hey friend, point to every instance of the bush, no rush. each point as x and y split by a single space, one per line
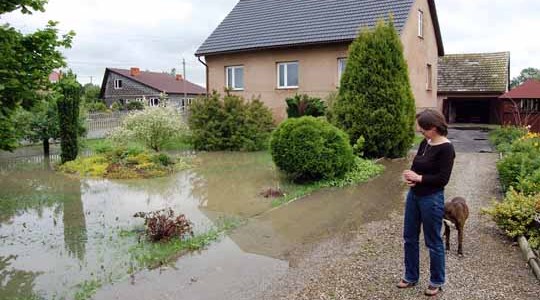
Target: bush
116 106
163 225
503 137
96 107
515 215
310 149
152 127
304 105
135 105
375 98
517 166
231 124
68 115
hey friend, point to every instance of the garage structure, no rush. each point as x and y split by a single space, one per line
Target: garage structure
470 86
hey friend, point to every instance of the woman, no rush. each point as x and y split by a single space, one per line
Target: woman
429 174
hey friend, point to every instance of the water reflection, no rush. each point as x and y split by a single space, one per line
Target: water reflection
16 284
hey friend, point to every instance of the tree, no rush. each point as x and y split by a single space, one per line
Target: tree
26 60
526 74
375 101
68 102
91 93
41 122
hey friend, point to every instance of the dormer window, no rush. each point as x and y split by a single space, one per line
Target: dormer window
420 24
118 84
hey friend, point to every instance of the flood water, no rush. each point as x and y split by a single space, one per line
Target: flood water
58 232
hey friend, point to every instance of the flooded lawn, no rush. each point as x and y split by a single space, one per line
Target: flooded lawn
63 238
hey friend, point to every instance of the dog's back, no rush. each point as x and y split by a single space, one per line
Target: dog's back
456 211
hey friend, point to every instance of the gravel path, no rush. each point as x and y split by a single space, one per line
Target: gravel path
370 264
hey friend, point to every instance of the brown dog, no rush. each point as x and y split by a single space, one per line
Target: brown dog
457 212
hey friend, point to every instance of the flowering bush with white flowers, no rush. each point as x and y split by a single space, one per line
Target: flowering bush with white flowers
152 127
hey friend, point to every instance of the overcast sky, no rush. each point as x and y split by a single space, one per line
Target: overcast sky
155 35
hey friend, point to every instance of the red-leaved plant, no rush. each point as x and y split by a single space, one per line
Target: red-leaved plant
162 225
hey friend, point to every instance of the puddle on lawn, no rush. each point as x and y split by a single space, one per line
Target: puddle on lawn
58 232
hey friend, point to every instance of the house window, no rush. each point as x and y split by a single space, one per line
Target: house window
153 102
287 75
420 23
530 105
118 84
234 78
429 77
342 62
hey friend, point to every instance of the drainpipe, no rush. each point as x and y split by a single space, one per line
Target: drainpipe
207 87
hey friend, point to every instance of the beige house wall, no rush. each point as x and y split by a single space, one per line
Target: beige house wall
318 67
419 52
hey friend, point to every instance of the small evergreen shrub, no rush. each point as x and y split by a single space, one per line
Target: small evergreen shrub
68 102
304 105
310 149
515 215
230 124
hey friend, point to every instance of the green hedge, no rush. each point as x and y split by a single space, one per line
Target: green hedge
310 149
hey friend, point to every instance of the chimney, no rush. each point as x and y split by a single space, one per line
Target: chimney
178 77
135 71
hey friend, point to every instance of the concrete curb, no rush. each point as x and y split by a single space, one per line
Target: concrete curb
529 255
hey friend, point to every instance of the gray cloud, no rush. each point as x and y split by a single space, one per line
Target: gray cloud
156 35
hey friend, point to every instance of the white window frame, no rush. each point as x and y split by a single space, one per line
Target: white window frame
118 84
420 24
341 69
233 69
429 77
152 100
285 76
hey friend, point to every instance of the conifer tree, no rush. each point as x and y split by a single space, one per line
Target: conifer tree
375 100
68 114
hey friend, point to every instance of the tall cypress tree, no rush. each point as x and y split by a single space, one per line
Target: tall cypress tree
375 98
68 113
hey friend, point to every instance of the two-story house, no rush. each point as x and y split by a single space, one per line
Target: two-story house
123 86
274 49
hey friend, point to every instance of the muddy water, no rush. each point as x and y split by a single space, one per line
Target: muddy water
58 232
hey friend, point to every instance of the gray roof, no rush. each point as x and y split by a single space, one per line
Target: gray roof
474 72
256 24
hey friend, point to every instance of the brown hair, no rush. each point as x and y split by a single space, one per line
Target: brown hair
430 118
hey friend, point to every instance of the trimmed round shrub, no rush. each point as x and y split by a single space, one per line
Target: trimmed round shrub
310 149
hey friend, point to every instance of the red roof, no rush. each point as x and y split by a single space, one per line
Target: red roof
530 89
54 76
162 81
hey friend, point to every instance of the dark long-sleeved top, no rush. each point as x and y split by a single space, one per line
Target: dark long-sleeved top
435 164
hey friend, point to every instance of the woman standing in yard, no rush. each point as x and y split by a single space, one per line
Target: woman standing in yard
429 174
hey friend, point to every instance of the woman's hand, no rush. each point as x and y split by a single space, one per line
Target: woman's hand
411 176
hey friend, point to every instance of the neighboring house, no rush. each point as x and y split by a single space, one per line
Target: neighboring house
521 106
470 85
278 48
123 86
55 76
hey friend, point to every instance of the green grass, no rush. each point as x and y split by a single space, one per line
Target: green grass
151 255
362 171
87 289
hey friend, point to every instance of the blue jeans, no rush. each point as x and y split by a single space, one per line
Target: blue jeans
429 212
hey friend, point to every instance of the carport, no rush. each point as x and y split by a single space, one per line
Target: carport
469 86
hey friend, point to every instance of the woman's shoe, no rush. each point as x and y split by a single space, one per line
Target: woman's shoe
432 290
405 285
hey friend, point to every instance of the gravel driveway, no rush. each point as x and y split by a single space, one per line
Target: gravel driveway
369 265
